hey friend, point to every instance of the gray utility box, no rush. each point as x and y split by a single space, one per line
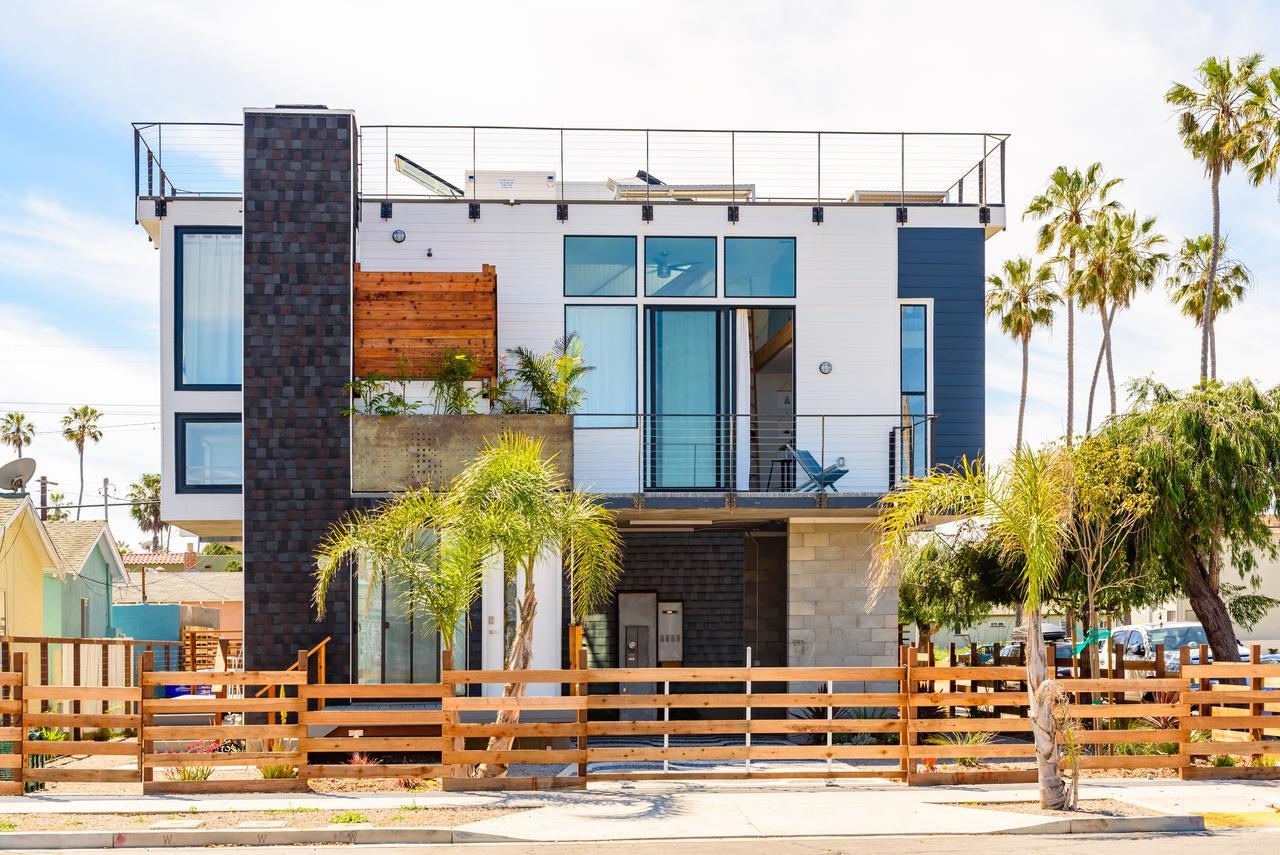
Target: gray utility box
670 633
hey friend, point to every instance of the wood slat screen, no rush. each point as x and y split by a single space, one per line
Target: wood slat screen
418 315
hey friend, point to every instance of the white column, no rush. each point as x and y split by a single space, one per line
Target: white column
547 625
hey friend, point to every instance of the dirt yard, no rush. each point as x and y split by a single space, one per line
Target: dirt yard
405 817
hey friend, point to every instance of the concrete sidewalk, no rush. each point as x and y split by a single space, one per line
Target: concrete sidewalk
728 810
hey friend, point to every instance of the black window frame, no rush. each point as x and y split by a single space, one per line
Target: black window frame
715 267
637 266
795 262
181 421
180 232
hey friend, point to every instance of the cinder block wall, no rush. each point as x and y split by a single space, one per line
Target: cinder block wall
828 584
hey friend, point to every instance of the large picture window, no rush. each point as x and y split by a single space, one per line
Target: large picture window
914 332
759 267
598 266
210 453
608 335
208 307
680 267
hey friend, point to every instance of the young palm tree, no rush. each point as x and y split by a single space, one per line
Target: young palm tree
1068 201
16 430
145 510
1215 122
552 379
1187 286
1023 299
1120 256
509 507
1025 509
80 425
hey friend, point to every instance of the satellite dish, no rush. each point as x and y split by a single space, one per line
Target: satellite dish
16 474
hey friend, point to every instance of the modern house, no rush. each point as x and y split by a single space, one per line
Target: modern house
781 324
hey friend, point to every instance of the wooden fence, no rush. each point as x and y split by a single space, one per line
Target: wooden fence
923 723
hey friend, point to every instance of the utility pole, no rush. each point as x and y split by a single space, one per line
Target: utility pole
106 488
44 498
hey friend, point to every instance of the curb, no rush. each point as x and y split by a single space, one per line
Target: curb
1113 825
12 840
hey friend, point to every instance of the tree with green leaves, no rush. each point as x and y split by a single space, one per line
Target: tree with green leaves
17 431
56 510
1120 255
1216 123
1190 277
1022 298
1264 126
937 588
144 496
551 379
1212 458
1069 200
80 426
507 509
1024 510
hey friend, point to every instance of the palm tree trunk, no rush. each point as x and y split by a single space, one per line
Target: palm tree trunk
1107 320
517 660
1093 387
1053 794
1071 349
1022 400
80 501
1206 319
1213 349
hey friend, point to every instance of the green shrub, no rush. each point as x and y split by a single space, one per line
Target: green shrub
1266 761
350 816
1224 760
971 739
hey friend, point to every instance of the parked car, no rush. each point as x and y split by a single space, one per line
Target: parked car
1139 641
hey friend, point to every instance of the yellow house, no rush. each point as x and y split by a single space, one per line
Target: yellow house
27 556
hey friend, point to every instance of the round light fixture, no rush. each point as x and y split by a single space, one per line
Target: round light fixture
398 236
824 367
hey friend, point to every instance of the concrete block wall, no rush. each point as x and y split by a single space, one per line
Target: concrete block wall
828 585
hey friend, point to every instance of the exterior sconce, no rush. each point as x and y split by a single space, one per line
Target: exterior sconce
824 367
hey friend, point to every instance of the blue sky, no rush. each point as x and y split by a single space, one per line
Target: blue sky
1072 83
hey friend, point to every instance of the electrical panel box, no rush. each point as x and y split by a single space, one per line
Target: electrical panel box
670 633
514 184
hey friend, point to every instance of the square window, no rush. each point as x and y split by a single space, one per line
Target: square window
210 453
597 266
759 267
680 267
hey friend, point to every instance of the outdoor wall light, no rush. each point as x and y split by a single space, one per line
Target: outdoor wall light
428 252
824 367
398 236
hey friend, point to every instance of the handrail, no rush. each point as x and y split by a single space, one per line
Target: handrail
294 667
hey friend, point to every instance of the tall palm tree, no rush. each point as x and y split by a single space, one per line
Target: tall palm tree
144 494
1024 508
1264 126
1187 286
1120 256
16 430
1214 120
1067 202
1023 299
80 425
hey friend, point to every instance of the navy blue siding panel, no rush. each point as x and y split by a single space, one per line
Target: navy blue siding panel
948 266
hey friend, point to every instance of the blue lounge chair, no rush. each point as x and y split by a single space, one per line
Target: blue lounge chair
820 480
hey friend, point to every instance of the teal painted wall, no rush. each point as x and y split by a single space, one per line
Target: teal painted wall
93 583
53 594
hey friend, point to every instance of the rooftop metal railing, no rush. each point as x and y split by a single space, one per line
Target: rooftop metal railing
641 165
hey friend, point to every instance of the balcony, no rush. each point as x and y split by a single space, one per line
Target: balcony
666 460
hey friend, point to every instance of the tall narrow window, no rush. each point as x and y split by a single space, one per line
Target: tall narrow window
680 267
759 267
599 266
608 335
913 446
208 307
210 452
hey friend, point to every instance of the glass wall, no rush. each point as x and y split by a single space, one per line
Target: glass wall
210 452
915 388
392 644
759 267
208 307
599 266
680 267
608 335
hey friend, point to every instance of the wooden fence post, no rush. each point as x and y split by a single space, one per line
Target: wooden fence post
449 744
19 719
1184 725
577 662
1257 684
908 737
146 666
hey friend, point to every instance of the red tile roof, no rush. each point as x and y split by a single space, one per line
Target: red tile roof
157 559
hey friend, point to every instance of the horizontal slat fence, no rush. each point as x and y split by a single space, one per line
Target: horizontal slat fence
931 720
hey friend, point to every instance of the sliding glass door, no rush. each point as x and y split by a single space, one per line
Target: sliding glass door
689 432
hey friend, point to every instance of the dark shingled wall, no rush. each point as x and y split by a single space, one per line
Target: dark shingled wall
298 237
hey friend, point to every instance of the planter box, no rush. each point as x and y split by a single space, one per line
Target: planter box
394 453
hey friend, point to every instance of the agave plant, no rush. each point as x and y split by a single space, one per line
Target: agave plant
969 739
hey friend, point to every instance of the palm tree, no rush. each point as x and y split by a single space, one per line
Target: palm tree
80 425
144 494
509 507
1024 509
1264 126
552 378
1121 256
1214 120
1066 204
1187 286
1023 299
17 430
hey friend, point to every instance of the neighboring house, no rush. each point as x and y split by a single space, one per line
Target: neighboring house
217 590
160 560
30 571
90 563
783 303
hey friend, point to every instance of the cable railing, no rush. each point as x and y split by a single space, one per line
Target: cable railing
638 165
